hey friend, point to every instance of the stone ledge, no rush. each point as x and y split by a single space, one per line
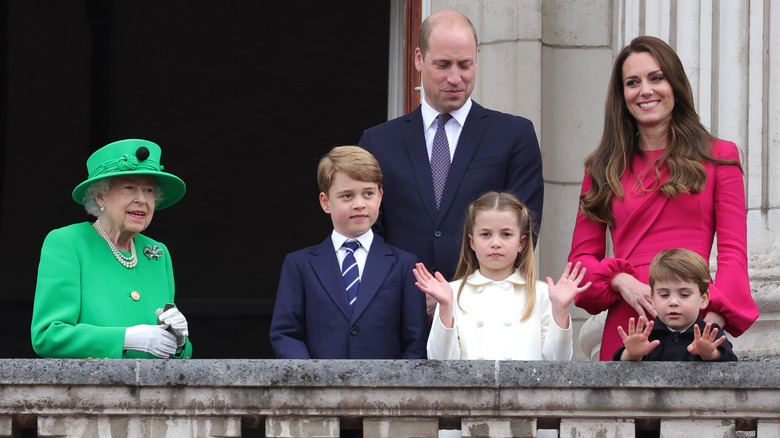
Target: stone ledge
258 391
269 373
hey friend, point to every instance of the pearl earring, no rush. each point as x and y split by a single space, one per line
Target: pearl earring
102 209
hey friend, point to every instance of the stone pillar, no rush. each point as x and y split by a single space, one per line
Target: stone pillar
289 427
576 64
400 427
498 427
581 428
6 430
713 428
767 429
153 427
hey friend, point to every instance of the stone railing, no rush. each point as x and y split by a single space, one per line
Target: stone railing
296 398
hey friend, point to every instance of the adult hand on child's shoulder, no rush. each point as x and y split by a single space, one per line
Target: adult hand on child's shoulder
636 340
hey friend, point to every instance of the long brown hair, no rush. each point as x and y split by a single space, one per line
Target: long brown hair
689 142
468 263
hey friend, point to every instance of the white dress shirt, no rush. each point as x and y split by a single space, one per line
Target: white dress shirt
453 127
360 254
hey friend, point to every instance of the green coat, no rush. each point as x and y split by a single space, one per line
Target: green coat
84 296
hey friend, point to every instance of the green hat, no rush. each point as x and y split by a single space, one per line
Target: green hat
131 157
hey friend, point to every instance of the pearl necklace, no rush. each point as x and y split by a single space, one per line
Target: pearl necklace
127 262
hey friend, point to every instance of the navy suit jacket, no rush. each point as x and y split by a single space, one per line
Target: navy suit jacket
312 318
495 152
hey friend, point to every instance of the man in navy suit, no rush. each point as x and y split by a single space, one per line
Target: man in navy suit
488 150
352 296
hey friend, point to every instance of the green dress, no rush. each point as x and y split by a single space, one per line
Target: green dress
85 299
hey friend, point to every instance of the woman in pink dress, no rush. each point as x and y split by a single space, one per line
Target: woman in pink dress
659 180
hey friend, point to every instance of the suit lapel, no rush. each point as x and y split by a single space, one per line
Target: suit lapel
414 139
326 268
380 260
476 123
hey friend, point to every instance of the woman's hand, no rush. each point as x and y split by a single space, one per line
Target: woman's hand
704 344
635 293
563 292
153 339
636 340
439 289
174 319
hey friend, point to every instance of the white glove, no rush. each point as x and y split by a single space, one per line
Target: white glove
174 319
152 339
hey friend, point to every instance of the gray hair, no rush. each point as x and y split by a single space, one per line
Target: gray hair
101 187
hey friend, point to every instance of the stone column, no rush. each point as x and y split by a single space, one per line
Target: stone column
498 427
576 64
400 427
5 427
714 428
124 426
579 427
289 427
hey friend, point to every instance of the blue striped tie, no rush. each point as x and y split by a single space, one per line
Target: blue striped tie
349 271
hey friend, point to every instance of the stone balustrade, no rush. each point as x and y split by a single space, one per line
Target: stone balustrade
318 398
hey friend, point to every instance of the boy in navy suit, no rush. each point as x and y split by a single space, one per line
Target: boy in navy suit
365 308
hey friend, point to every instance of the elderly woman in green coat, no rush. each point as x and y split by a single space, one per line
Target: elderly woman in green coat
104 289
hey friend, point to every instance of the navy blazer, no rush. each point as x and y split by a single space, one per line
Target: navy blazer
495 152
312 318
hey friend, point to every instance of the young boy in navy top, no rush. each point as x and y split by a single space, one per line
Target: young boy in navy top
679 282
324 313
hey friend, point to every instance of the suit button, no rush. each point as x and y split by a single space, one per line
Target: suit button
354 330
437 234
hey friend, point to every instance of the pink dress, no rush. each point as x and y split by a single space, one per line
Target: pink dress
649 222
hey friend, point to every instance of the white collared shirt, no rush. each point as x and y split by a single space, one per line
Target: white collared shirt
453 127
361 254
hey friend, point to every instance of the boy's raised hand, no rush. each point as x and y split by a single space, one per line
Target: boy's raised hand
439 289
704 344
636 341
563 292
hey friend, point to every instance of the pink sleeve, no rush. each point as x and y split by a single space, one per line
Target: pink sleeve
588 246
730 296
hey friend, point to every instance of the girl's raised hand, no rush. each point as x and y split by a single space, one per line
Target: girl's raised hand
439 289
563 292
435 286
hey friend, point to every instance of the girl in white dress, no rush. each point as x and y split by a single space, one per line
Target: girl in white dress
500 311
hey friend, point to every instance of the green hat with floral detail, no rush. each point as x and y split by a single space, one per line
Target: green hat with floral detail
131 157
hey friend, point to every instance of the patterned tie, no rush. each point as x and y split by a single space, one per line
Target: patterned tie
440 157
349 271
